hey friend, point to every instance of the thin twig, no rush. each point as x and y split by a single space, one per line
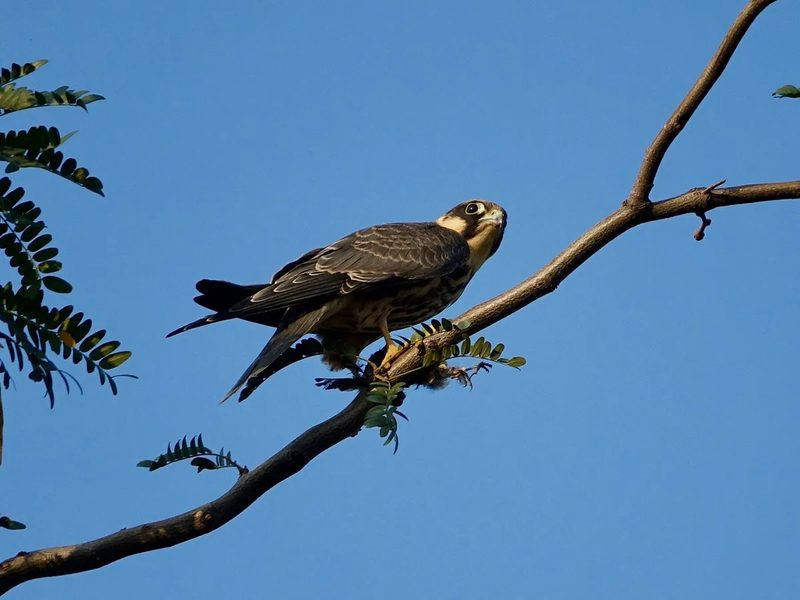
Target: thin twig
704 222
640 194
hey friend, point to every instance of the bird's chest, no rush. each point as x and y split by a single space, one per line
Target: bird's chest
405 306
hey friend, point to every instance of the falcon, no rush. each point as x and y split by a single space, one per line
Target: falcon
362 287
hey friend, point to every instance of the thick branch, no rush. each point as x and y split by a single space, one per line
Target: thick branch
655 152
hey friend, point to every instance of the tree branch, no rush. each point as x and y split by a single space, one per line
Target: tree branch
98 553
640 194
208 517
635 211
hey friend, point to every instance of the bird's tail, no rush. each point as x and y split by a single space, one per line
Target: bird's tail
220 296
200 322
290 330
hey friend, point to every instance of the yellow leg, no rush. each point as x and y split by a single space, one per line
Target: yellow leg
391 349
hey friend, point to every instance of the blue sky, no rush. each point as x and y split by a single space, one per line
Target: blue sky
649 449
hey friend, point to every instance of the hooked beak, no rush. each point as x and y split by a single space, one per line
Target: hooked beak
496 216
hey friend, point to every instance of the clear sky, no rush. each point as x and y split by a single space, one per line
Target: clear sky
650 447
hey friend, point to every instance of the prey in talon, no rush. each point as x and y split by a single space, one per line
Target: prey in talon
360 288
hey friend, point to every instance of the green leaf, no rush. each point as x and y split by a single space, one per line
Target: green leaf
16 71
787 91
7 523
375 411
145 463
32 231
50 266
114 360
103 350
462 325
44 255
516 362
56 284
376 397
497 352
93 340
39 242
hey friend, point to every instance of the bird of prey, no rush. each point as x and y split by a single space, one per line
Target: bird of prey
362 287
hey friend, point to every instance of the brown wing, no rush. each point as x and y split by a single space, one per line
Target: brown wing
375 258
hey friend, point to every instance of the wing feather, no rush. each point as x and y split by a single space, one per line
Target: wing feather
390 254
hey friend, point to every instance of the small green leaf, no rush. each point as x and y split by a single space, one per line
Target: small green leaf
375 411
44 255
32 231
516 362
7 523
50 266
787 91
376 398
39 242
68 167
92 340
462 325
145 463
103 350
497 352
114 360
56 284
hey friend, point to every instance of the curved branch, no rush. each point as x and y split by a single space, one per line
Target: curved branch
208 517
204 519
291 459
640 193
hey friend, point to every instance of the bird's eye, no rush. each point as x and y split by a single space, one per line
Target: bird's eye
473 208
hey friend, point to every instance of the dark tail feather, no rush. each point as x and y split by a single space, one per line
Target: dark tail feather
200 322
289 331
219 296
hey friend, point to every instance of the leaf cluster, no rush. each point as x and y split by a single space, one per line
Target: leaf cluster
463 348
36 148
14 98
384 415
197 452
38 333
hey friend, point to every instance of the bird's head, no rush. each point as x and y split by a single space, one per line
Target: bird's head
482 224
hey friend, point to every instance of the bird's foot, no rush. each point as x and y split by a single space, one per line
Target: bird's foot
464 375
392 352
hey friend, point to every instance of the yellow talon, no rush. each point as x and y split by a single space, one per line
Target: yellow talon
392 350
